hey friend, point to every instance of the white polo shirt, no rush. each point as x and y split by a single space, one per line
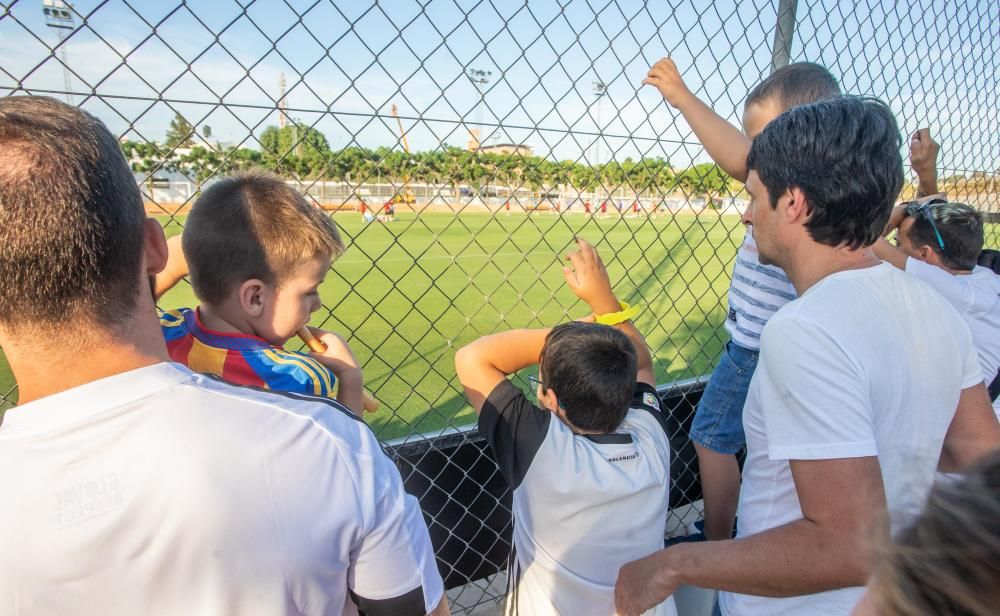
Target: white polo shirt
159 491
583 505
868 362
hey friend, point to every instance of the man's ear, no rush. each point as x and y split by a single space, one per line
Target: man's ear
254 295
927 254
797 210
154 247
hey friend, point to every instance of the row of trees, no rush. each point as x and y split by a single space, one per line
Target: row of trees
303 152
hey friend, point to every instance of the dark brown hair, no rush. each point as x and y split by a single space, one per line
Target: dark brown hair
844 155
961 229
71 217
252 226
592 369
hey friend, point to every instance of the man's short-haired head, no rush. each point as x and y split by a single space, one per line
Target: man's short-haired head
844 155
71 218
253 226
961 229
592 370
796 84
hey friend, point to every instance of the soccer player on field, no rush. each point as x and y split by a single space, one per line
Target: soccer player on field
589 464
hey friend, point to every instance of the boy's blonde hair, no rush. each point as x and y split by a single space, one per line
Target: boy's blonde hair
253 225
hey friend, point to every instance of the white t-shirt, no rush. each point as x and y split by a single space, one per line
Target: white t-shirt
976 297
159 491
756 292
583 505
867 362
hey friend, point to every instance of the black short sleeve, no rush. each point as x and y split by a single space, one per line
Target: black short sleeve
514 429
647 399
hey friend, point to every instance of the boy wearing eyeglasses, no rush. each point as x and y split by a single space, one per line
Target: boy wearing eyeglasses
939 242
589 463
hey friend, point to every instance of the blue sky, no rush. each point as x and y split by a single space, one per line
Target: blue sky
347 62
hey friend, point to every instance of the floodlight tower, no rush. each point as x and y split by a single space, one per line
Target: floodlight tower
600 89
282 118
59 16
480 78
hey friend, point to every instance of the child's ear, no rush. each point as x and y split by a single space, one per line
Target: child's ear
550 401
253 296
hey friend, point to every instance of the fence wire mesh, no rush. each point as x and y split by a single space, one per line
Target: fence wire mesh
461 145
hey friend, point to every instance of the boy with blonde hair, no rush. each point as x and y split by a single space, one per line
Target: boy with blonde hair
756 292
257 253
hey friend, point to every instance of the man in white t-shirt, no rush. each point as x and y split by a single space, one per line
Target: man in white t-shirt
589 465
939 242
867 383
132 485
973 290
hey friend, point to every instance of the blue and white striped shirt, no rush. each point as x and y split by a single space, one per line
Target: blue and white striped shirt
755 294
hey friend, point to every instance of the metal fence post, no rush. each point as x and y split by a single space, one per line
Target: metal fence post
784 32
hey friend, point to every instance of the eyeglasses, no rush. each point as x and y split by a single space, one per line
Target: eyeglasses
535 382
914 209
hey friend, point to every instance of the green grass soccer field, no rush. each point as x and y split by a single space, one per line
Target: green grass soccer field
407 294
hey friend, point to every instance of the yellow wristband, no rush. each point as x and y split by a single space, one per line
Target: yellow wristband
627 313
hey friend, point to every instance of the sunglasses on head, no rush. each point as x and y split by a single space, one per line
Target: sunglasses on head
924 209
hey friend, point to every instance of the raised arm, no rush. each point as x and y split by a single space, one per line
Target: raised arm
482 364
886 251
588 279
725 143
923 160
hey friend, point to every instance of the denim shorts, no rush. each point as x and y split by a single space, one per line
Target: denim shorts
718 422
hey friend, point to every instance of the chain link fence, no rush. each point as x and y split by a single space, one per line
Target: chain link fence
460 146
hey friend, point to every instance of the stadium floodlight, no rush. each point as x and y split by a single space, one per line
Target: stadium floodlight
600 89
480 78
59 16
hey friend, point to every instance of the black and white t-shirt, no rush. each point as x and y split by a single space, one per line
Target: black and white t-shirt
584 505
